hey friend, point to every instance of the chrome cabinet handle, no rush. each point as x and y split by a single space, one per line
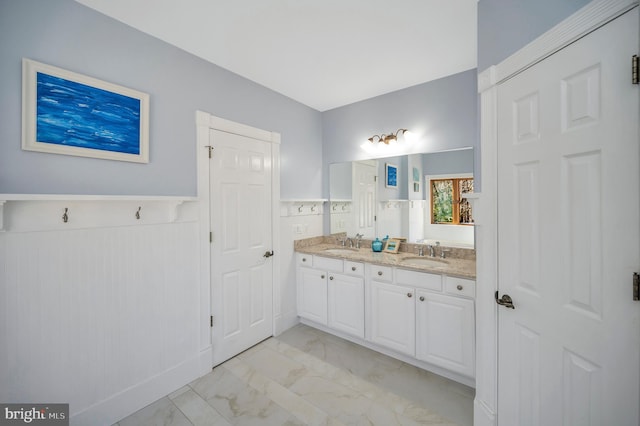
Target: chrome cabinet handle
331 277
409 295
268 254
304 259
422 298
353 268
505 301
459 287
380 273
322 276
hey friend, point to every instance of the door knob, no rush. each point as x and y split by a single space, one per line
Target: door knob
268 254
505 301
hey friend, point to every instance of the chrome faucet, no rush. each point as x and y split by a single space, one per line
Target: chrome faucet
432 252
420 250
358 240
350 242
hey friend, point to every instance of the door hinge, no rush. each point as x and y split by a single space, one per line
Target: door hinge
211 320
635 62
210 237
210 149
636 286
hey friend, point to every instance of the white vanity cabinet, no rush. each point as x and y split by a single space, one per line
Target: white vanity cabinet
346 300
311 290
331 292
422 318
412 313
392 316
445 331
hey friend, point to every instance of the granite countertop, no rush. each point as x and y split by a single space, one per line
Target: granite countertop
463 268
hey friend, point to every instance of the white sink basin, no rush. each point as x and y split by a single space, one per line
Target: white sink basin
424 261
340 250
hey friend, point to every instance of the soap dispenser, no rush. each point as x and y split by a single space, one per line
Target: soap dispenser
376 245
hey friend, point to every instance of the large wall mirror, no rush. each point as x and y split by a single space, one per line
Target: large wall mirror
419 197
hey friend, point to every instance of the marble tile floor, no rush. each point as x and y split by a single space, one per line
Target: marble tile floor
308 377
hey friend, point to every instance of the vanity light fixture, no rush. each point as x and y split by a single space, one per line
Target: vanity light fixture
386 139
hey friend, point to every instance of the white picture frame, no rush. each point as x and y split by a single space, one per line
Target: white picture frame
64 112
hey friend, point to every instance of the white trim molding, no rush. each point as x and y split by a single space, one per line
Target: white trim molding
206 122
584 21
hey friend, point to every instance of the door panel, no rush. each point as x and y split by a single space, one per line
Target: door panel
364 198
568 199
240 182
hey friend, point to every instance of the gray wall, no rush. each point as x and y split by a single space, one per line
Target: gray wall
443 112
68 35
506 26
446 163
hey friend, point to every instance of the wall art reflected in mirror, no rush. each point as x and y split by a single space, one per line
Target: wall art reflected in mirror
427 204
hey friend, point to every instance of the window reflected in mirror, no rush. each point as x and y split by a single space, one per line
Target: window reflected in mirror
448 205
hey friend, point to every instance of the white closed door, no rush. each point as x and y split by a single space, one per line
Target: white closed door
568 235
241 269
364 198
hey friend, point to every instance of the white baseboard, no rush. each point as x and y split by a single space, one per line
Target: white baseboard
482 415
129 401
284 322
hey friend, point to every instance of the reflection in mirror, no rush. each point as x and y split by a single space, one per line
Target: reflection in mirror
363 201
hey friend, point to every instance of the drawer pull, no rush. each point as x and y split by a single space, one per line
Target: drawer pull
322 276
422 298
409 295
331 277
380 273
353 268
304 259
459 287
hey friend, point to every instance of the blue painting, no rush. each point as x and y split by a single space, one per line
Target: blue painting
67 113
74 114
392 176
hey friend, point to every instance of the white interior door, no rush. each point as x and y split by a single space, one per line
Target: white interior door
241 272
568 232
364 197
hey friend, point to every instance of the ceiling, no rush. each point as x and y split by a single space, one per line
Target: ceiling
322 53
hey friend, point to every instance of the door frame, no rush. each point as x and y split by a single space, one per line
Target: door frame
206 122
586 20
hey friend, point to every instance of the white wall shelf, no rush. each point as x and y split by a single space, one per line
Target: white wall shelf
302 207
43 212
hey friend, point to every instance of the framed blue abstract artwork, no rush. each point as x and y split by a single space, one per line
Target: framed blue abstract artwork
68 113
392 176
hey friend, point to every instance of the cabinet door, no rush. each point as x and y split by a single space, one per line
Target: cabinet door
445 334
312 294
393 316
346 304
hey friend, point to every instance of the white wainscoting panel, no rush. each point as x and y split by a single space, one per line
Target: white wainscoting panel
106 319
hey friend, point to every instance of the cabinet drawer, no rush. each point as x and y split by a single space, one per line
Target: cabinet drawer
354 268
327 264
460 287
303 259
419 279
380 273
